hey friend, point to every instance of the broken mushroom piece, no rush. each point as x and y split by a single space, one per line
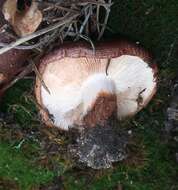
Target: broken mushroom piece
11 64
79 87
24 19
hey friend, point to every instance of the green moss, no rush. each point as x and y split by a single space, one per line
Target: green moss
19 101
14 166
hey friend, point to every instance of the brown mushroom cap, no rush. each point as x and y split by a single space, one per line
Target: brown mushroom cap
74 63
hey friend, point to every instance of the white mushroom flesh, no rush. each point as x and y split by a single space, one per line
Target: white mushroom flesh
135 83
74 84
64 79
94 85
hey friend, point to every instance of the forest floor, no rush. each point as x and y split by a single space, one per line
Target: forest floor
32 157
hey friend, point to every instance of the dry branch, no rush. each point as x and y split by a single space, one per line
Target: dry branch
36 34
77 14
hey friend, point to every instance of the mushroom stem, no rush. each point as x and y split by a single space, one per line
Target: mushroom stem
93 87
98 95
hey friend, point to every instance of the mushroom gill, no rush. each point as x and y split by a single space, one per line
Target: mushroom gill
82 88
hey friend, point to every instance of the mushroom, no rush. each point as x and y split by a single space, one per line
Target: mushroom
79 87
24 19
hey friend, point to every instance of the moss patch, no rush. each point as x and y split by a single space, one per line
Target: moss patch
14 166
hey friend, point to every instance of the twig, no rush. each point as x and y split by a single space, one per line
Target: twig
84 2
97 18
105 21
61 8
87 24
84 23
3 28
68 30
28 69
89 40
39 75
24 47
107 66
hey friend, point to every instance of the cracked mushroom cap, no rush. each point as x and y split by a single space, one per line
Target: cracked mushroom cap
79 87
